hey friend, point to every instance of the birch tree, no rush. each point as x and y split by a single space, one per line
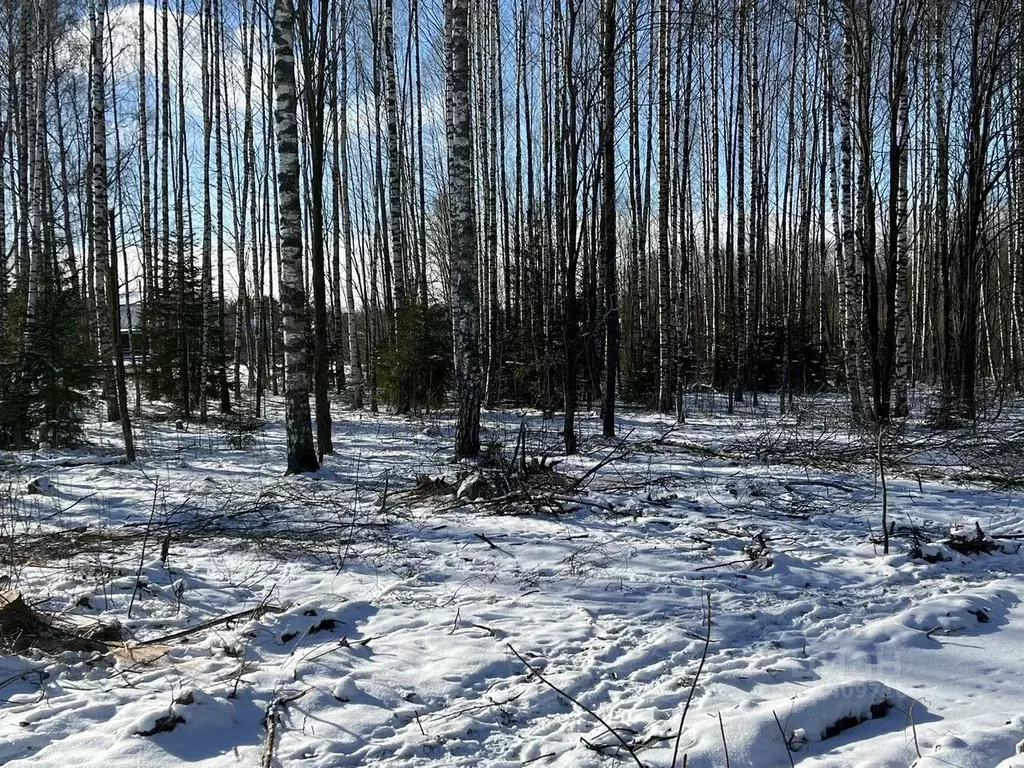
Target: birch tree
104 257
301 456
98 215
465 306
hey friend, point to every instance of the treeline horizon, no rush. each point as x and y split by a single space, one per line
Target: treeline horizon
755 196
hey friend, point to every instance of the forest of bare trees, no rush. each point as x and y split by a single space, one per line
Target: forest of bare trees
559 204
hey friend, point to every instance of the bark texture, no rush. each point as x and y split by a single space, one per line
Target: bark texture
465 304
301 456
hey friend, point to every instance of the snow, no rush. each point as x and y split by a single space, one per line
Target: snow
382 617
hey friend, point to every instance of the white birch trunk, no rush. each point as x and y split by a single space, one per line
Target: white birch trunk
465 302
301 456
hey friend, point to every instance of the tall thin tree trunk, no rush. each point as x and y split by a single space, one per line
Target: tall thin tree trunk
114 330
665 308
608 212
206 279
301 456
465 309
314 39
356 372
851 277
221 359
100 244
396 198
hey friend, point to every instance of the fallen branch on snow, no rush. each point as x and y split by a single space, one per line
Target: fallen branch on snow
249 613
270 723
584 707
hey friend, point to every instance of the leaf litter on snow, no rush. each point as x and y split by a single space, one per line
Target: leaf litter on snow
365 614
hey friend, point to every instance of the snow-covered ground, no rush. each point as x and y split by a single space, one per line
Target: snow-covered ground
390 610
